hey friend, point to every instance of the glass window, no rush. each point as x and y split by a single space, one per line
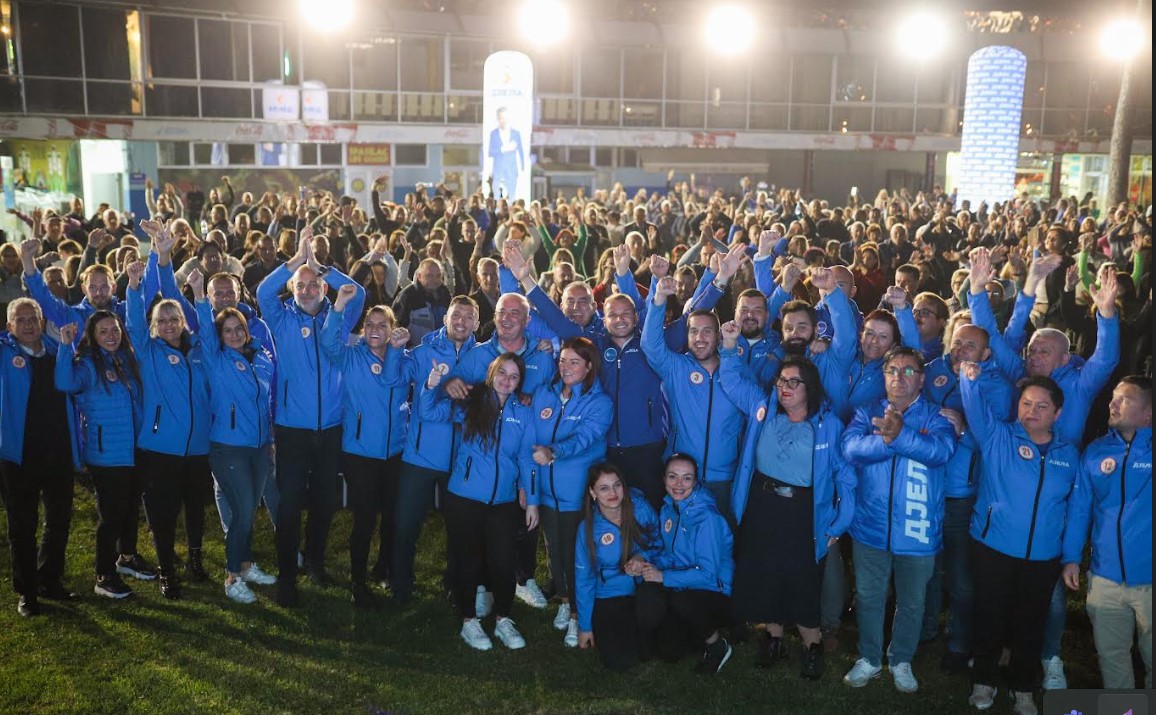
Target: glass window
933 84
421 64
108 58
327 62
409 154
933 121
811 79
267 60
467 58
330 153
685 75
603 156
851 119
728 115
307 154
224 50
854 78
44 30
764 116
166 101
1105 89
173 153
114 98
770 81
553 155
226 103
554 72
894 119
11 101
727 82
290 57
630 158
1067 85
171 49
1063 122
55 96
1034 84
601 72
894 80
242 154
375 65
642 73
462 155
810 119
202 154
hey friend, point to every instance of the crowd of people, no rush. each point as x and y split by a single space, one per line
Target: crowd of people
719 409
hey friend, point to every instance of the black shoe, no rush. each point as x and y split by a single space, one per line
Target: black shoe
954 663
770 650
112 587
28 606
287 594
319 577
56 592
363 597
714 657
195 569
813 661
136 567
170 586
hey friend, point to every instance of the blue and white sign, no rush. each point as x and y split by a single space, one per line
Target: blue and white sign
508 121
280 103
991 124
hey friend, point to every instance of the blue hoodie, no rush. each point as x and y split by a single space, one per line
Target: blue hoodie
1023 502
239 388
899 498
15 387
576 433
314 402
109 407
376 402
602 576
697 545
425 442
1113 496
833 479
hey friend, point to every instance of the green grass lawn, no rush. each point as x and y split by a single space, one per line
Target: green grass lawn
206 654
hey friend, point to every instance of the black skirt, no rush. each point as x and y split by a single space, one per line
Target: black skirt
776 577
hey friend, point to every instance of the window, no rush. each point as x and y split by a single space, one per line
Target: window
854 78
224 50
811 79
45 29
685 75
172 153
53 95
461 155
330 153
107 58
226 103
933 84
1067 85
603 156
554 155
202 154
771 81
166 101
467 58
600 72
1034 84
375 65
894 81
266 48
554 72
1105 91
642 73
114 98
727 82
326 62
171 50
421 65
242 154
630 158
409 155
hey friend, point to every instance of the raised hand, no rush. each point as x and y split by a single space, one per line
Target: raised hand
767 241
164 241
895 297
664 288
730 334
1105 294
380 248
981 272
29 248
399 338
344 294
98 238
151 227
1072 278
513 259
659 266
970 370
196 281
135 271
729 264
67 334
790 276
435 375
823 279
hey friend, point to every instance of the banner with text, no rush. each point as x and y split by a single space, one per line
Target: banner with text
507 123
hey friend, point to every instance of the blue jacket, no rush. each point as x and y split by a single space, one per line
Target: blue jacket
697 545
1023 502
602 576
472 367
176 388
1113 496
61 313
376 401
15 386
899 498
425 442
941 386
576 433
109 407
314 402
705 420
1080 381
488 473
833 480
240 396
835 362
865 383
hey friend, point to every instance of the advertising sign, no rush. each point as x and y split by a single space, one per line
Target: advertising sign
507 123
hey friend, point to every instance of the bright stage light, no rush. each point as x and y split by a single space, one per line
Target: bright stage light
326 15
1122 39
921 34
544 22
729 29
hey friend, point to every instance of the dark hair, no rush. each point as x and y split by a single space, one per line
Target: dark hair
810 374
1045 383
629 531
482 408
799 306
884 317
942 312
125 368
1142 382
909 269
752 293
588 352
903 351
463 300
704 314
224 315
680 457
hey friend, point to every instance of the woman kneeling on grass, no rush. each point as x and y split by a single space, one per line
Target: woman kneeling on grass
491 471
618 528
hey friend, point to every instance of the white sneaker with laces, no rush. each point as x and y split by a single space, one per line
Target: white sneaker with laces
905 681
1024 704
239 591
530 594
254 574
562 618
508 634
1054 678
982 696
483 602
474 636
571 639
861 673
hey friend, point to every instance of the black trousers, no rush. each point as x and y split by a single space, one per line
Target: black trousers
616 633
307 462
560 529
481 544
118 498
24 487
680 622
372 492
415 497
1011 604
642 466
171 481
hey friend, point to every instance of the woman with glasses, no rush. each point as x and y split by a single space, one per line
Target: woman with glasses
793 499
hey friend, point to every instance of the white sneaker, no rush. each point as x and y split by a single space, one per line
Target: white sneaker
483 602
239 591
562 618
982 696
474 636
905 681
1054 678
508 634
571 639
1024 704
254 574
862 673
530 594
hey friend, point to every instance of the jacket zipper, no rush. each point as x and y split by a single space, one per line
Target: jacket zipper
469 466
709 417
987 524
233 416
891 500
617 403
971 467
1036 506
100 438
650 412
1120 515
498 452
192 412
417 444
317 359
553 437
157 419
673 539
389 423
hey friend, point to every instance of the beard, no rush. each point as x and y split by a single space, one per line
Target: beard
796 345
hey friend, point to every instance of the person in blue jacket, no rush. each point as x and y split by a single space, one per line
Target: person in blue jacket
307 420
373 428
898 448
1016 531
104 379
34 468
618 529
573 415
793 499
425 459
1113 499
694 567
492 473
97 281
240 440
173 441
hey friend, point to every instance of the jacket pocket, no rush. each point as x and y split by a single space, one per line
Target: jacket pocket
157 420
469 466
987 524
233 416
358 435
650 413
417 443
100 438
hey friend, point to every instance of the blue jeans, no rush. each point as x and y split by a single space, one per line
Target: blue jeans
240 474
832 597
952 567
415 496
270 494
1057 617
873 571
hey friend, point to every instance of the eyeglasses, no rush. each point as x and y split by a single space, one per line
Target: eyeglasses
924 313
904 371
791 383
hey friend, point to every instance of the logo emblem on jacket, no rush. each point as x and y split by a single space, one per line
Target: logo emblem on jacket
240 365
609 354
1108 465
761 414
607 539
668 525
375 368
940 381
306 332
546 413
18 362
739 350
1026 451
110 375
696 377
174 360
